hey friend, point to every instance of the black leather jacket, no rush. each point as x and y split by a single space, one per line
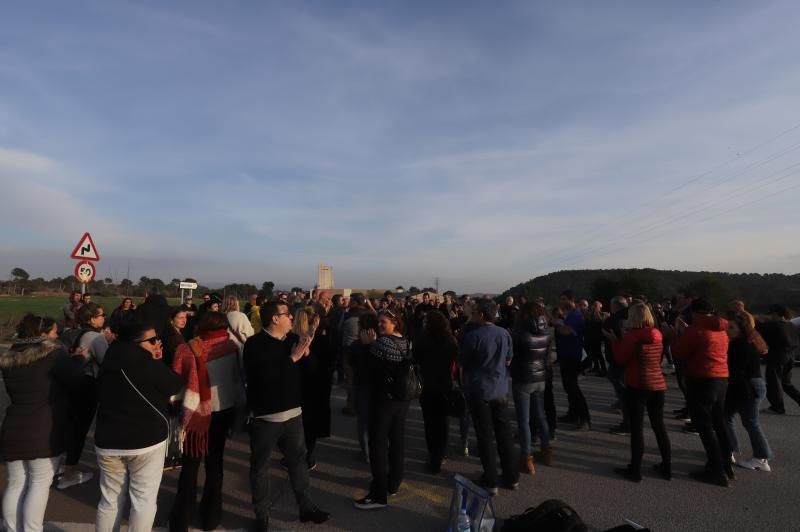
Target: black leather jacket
531 341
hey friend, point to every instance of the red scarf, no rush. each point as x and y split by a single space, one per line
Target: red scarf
190 362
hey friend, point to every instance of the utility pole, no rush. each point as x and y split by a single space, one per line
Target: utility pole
436 284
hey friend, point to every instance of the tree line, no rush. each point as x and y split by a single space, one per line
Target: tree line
757 290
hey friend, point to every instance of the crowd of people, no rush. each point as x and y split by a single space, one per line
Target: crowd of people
205 373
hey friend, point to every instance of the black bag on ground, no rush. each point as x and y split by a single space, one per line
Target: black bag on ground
553 515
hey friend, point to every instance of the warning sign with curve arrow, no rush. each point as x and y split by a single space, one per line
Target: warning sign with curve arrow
85 250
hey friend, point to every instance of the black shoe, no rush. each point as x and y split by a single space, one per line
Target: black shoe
709 477
621 430
665 471
314 515
284 464
583 425
773 410
368 503
261 524
729 471
683 410
568 418
312 465
689 428
628 473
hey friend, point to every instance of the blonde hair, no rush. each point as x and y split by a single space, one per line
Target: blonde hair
304 320
231 304
736 305
639 316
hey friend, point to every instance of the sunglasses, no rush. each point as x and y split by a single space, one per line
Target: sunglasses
153 340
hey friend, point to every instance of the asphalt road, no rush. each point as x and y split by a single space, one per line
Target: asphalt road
581 475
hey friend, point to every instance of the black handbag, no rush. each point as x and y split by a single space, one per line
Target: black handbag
405 382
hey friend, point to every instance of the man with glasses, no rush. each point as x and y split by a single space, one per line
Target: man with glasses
274 397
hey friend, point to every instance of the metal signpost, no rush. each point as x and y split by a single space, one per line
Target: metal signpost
86 253
187 286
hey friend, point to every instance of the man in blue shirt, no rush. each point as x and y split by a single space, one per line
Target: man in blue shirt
569 345
485 355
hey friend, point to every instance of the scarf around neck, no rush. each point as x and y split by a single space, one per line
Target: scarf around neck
190 362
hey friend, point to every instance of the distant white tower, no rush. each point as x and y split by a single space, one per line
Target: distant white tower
324 276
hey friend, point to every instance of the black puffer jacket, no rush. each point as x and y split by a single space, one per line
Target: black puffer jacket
531 340
38 378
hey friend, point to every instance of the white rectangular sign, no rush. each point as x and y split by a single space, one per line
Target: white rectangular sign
188 286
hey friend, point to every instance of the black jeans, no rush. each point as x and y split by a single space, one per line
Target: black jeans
636 403
493 431
387 425
437 426
707 408
183 509
680 376
288 436
779 380
549 406
570 368
83 408
594 350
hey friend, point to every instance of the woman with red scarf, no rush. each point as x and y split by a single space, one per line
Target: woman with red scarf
209 365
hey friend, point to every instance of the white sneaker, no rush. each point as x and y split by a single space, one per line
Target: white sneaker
756 464
79 478
733 458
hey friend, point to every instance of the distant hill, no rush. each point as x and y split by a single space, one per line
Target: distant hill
757 290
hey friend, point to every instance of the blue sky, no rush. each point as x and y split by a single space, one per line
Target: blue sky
481 143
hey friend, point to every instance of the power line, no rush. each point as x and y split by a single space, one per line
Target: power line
725 178
601 252
703 206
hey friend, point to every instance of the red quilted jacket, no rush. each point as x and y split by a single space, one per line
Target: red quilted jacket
704 348
640 352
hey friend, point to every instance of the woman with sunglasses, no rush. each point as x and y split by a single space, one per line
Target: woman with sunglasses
209 367
92 344
38 376
134 387
387 417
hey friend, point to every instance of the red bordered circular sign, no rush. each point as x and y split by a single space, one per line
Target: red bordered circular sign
84 272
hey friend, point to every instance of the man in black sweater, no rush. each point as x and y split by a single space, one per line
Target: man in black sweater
782 339
274 397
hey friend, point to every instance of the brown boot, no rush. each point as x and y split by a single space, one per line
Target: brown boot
526 465
545 457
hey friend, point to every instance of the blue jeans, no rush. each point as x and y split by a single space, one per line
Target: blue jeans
529 399
748 411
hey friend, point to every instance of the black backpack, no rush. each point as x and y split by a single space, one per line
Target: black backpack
71 338
553 515
405 382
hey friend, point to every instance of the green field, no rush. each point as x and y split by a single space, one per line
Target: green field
13 308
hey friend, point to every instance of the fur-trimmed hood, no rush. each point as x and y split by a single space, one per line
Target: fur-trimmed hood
25 354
